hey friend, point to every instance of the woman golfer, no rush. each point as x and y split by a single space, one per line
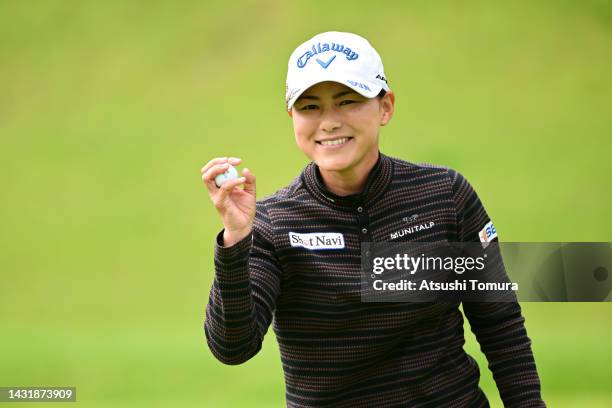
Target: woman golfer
294 257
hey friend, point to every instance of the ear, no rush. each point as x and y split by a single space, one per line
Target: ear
290 113
387 107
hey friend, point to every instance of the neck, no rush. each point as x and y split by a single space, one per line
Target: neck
349 181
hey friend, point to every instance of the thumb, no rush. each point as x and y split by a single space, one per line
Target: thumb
249 184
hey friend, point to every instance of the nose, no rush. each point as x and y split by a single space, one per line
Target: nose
330 121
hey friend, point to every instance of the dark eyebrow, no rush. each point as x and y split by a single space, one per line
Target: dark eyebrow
336 96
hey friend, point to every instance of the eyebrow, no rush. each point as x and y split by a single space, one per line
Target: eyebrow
336 96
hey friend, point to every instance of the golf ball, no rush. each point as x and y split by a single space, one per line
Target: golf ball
230 174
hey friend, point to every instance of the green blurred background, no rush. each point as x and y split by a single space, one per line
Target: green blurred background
108 109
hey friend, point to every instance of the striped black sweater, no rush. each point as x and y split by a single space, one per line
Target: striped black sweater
337 351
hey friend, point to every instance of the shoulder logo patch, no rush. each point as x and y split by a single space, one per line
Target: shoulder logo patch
487 234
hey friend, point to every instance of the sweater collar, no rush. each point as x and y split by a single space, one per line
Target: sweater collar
379 178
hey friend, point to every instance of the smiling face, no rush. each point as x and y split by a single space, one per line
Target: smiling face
338 128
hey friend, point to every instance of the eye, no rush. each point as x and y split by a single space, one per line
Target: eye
308 107
347 101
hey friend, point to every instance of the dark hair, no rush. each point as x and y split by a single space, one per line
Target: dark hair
381 93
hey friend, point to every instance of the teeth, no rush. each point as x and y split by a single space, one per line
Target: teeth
335 142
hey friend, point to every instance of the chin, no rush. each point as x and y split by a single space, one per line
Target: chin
333 164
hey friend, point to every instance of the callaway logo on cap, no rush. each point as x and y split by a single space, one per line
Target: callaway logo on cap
345 58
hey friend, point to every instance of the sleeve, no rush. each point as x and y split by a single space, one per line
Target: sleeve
243 293
498 327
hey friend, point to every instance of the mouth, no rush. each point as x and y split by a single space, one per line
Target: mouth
333 143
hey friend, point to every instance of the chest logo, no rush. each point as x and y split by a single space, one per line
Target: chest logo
317 240
412 229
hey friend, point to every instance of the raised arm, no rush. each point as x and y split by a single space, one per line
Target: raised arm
247 276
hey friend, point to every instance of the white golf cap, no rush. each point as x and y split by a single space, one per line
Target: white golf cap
345 58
